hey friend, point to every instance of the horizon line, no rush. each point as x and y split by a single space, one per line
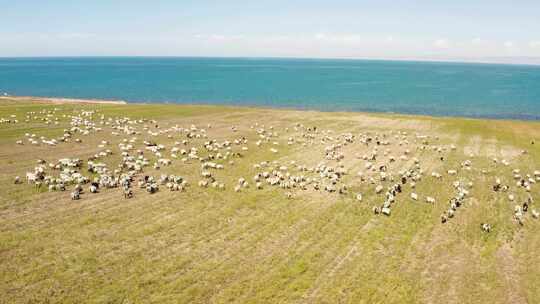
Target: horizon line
473 60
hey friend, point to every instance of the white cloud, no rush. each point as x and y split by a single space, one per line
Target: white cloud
509 44
76 35
320 36
478 41
218 37
337 38
534 44
441 43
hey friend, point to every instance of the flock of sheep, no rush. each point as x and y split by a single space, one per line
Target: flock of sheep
193 145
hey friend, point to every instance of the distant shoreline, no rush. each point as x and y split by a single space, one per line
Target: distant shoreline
61 100
56 100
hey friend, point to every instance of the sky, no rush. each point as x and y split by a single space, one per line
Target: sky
447 30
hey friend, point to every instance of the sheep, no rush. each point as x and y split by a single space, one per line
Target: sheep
128 193
535 214
518 214
359 197
17 180
93 188
75 195
430 200
414 196
152 188
485 227
444 218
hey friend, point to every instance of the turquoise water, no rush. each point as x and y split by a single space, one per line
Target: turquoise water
454 89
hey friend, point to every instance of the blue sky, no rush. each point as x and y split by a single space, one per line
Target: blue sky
419 29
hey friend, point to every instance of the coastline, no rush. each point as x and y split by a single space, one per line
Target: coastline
374 113
56 100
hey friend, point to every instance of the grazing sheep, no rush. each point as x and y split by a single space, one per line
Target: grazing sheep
430 200
414 196
93 188
75 195
152 188
535 214
518 214
128 193
485 227
444 218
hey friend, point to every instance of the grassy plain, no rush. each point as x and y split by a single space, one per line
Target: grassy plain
204 245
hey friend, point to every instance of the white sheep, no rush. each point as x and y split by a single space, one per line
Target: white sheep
75 195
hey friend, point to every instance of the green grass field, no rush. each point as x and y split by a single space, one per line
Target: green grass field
205 245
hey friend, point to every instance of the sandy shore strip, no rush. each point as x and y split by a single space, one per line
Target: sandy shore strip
60 100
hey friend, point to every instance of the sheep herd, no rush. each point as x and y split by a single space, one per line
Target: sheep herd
387 163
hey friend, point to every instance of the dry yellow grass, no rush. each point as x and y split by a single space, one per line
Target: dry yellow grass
205 245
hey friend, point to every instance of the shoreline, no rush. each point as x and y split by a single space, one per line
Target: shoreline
59 100
66 100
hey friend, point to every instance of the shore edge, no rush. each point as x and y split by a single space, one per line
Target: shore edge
55 100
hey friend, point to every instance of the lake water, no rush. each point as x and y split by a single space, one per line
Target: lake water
432 88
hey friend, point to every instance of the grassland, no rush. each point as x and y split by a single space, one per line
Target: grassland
204 245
